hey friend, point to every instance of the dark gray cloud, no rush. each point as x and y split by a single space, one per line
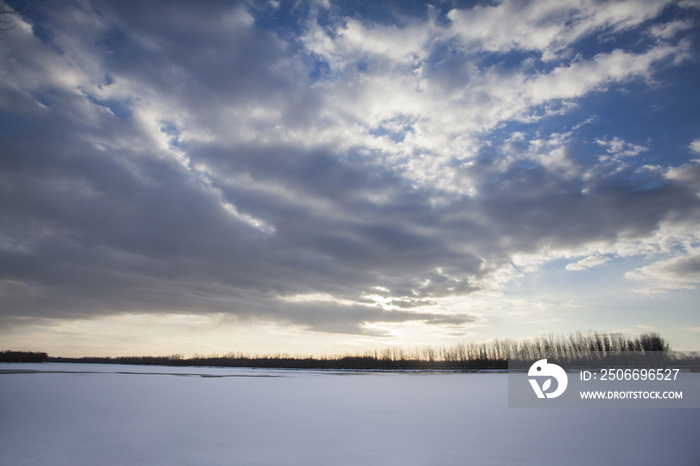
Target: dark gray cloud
180 157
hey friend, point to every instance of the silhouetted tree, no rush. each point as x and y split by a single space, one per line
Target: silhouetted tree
653 342
594 348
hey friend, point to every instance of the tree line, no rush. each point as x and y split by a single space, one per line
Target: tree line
491 355
22 356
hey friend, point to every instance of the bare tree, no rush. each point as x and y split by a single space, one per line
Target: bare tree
8 16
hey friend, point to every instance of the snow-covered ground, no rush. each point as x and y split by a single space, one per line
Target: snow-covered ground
133 415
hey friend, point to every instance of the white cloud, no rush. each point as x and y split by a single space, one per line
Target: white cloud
620 148
588 262
670 29
567 82
688 174
546 26
678 273
695 146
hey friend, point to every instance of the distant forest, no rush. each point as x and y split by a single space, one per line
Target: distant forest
22 356
493 355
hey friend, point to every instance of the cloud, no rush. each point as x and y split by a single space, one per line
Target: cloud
334 174
687 174
670 29
548 26
438 84
672 274
695 146
619 148
588 262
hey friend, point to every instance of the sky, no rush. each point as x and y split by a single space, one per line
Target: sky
326 177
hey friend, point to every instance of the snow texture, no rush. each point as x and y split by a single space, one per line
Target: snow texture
70 414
